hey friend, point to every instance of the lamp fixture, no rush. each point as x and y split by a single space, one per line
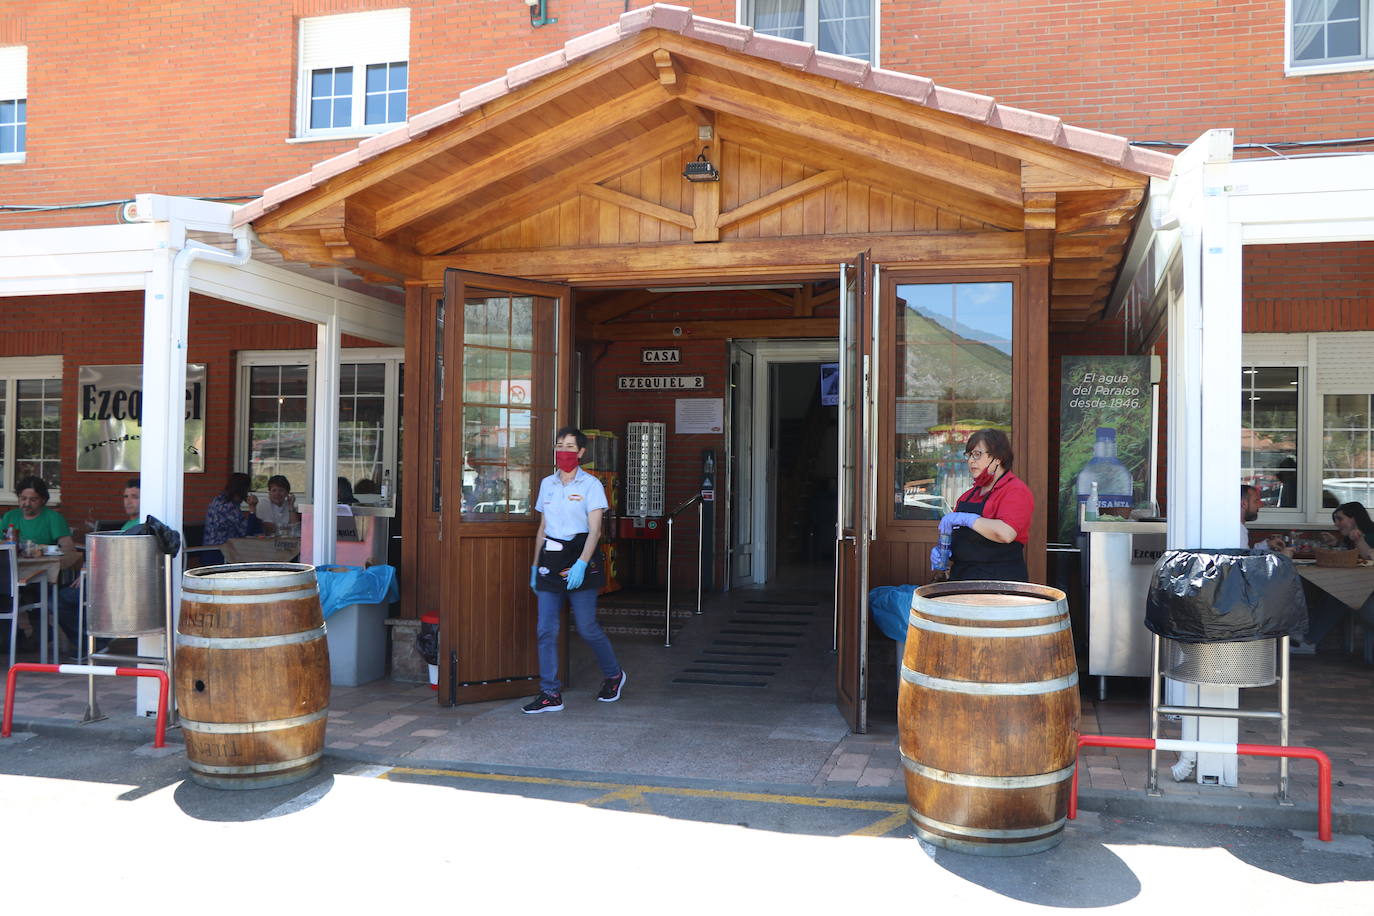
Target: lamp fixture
701 169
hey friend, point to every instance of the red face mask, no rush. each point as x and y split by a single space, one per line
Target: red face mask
566 461
985 478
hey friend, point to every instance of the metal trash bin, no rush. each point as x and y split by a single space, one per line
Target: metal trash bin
1222 664
126 585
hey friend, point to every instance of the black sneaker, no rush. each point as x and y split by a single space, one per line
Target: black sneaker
545 702
611 687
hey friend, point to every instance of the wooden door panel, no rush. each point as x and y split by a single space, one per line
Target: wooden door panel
506 387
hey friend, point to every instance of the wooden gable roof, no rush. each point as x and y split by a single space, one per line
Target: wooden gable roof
574 160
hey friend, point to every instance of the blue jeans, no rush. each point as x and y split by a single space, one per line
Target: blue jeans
583 602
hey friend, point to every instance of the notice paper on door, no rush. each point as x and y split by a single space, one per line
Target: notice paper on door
700 415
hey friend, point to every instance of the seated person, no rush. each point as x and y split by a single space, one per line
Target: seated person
278 511
131 496
1354 530
224 519
34 521
69 597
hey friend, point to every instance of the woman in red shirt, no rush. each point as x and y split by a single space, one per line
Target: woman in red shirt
991 521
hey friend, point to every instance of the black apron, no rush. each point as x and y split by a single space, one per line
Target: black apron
977 557
553 562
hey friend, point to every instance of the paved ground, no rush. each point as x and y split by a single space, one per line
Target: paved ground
745 696
358 838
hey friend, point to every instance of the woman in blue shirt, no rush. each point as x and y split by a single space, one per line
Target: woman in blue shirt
571 504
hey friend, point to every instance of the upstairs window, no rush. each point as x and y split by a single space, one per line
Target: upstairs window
1330 34
354 73
836 26
14 91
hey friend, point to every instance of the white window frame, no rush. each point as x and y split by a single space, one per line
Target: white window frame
744 14
352 41
1292 68
391 357
1303 352
14 85
13 369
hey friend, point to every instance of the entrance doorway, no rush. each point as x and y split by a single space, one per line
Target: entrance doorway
783 458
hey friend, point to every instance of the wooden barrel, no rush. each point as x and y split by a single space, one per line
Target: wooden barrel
988 716
252 674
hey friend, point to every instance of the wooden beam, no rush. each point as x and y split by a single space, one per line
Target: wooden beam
996 188
705 211
617 305
637 204
716 330
804 303
876 173
417 151
369 254
951 126
813 256
1078 246
668 76
779 197
555 189
1039 212
528 153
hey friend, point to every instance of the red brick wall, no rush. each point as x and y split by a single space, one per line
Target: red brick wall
108 330
1147 70
1301 288
197 99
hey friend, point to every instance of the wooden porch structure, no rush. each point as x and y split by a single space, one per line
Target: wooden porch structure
563 181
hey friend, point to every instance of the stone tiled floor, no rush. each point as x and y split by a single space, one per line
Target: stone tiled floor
665 730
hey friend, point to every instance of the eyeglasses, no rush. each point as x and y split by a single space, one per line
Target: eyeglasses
975 455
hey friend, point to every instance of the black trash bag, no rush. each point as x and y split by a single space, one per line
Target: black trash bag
427 642
1225 595
168 539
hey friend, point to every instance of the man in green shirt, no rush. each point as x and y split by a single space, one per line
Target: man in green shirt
131 502
69 598
34 520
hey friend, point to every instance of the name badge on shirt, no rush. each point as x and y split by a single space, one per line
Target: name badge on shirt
574 497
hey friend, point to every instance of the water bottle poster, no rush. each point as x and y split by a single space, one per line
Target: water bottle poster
1104 435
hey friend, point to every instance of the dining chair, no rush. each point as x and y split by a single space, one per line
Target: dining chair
10 595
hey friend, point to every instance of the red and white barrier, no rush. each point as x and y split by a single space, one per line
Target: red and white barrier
1219 747
104 670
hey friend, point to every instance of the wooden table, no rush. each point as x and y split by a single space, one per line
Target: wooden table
1350 586
48 571
261 550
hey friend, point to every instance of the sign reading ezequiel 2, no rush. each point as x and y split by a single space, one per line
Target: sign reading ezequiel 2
109 431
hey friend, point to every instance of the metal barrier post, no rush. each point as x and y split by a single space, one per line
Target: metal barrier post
668 601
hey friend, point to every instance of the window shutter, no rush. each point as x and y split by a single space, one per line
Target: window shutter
1343 363
381 36
14 72
1274 349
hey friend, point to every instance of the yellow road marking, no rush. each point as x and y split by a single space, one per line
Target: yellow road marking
882 827
617 790
632 797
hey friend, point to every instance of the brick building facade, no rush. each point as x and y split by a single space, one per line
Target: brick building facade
196 100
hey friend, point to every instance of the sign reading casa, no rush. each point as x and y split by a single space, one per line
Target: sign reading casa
109 431
661 382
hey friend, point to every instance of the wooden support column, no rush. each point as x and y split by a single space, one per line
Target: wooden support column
1034 373
706 211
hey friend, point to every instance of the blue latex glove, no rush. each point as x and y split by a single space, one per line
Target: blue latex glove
939 557
958 520
534 575
575 574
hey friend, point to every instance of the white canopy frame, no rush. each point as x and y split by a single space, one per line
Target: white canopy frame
1210 208
152 253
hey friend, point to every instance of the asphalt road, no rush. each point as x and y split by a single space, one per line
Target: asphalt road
89 819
